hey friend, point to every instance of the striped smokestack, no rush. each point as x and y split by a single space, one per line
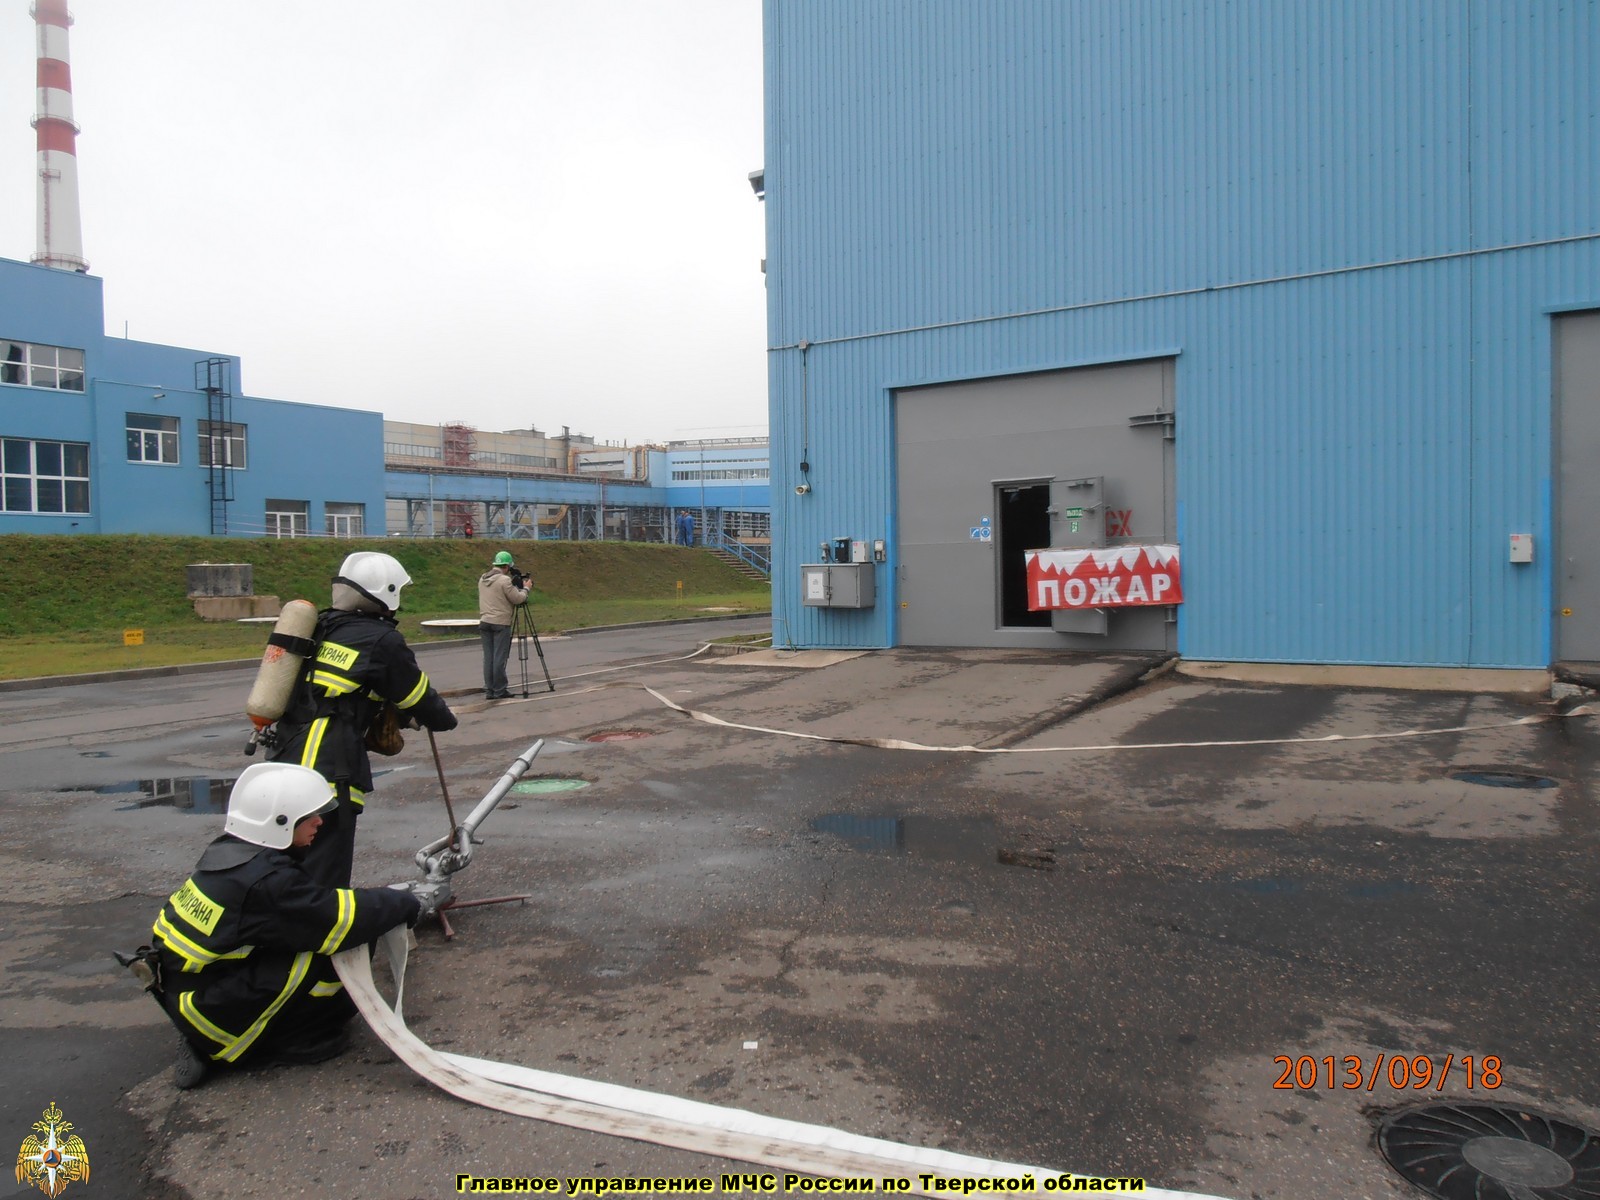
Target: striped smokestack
60 238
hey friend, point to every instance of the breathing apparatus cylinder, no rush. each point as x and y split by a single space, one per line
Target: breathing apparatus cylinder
287 650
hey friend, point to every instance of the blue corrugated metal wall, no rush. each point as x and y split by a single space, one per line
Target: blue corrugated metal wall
1349 219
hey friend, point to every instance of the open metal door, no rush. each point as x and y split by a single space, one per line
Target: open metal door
1078 522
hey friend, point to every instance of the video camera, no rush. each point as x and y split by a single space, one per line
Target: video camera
519 579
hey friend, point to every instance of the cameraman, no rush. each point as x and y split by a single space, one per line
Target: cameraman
502 589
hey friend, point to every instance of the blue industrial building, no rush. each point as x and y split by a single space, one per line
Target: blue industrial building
107 435
1308 292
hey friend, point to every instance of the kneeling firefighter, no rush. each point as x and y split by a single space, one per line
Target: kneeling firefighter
361 664
241 949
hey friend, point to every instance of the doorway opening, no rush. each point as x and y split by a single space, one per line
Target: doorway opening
1024 520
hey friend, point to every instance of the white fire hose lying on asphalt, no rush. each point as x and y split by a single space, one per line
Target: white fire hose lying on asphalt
648 1116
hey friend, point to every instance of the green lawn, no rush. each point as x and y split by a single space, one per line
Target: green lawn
65 602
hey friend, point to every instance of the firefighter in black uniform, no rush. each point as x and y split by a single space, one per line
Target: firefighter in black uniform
362 662
243 945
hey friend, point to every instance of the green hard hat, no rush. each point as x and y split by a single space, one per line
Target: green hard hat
503 559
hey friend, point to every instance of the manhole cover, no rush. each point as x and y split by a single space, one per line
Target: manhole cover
618 735
1507 779
1485 1152
548 786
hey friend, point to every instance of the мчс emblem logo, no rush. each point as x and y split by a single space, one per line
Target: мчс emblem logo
52 1156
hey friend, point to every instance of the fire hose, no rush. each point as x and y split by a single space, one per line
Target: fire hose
628 1112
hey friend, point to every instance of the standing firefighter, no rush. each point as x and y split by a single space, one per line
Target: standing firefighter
243 945
362 663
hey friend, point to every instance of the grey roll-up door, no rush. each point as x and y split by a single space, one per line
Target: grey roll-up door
960 445
1577 450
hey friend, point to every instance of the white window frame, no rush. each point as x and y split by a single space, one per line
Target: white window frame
157 446
345 520
58 368
63 482
290 519
233 443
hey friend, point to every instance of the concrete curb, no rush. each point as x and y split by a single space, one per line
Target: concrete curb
1508 680
1134 674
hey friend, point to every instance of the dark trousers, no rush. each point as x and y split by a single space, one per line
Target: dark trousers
496 641
332 854
304 1020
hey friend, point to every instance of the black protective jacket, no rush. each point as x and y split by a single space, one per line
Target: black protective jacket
244 945
362 661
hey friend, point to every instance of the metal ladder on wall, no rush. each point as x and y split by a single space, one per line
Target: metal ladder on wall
214 377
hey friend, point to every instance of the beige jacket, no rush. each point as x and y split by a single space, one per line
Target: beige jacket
497 597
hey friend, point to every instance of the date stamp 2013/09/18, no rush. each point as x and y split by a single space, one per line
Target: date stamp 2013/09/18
1417 1073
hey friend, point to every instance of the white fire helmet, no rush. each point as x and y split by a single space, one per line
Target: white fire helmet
378 575
271 798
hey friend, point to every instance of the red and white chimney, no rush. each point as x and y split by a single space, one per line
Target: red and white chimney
60 241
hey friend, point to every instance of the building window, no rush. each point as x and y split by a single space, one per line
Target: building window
152 439
287 518
222 444
746 526
741 473
345 520
33 365
44 477
404 450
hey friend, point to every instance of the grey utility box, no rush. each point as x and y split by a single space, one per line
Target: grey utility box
838 585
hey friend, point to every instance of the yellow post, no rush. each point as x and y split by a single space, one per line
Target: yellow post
680 591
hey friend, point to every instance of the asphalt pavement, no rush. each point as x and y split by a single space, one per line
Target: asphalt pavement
1051 909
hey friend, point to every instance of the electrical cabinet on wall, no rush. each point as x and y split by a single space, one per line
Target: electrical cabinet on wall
838 585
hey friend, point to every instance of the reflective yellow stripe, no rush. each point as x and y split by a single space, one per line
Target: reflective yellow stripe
308 756
327 989
195 908
195 956
417 692
358 797
191 1014
334 685
297 976
341 926
336 655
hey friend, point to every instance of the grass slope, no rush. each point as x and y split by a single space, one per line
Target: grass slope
64 601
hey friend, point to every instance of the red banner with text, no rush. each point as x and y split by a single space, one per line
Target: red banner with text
1118 577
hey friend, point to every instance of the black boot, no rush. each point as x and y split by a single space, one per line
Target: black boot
191 1070
306 1050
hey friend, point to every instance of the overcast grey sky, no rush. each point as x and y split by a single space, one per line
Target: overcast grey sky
504 212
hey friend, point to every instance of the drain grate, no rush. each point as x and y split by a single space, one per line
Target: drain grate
1485 1152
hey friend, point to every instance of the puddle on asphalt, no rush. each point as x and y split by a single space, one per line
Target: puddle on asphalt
618 735
1381 889
943 839
1504 778
548 785
186 793
191 793
1269 886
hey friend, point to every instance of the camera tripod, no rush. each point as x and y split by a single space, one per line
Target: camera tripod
522 632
